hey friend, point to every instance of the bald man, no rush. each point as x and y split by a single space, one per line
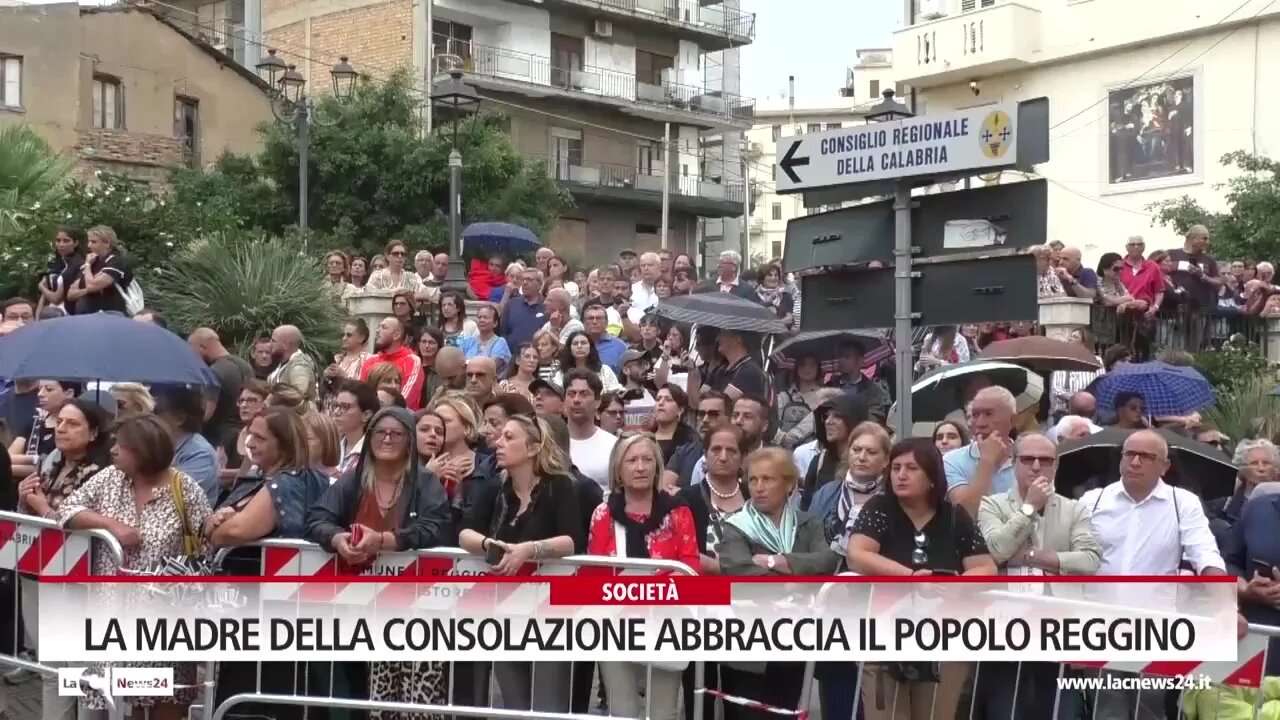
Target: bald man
451 366
389 346
296 368
223 424
1196 272
1078 280
482 373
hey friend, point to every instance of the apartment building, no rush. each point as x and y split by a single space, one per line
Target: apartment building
1145 96
591 86
124 90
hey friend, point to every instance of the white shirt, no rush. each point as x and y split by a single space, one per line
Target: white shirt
1150 537
591 456
642 298
803 455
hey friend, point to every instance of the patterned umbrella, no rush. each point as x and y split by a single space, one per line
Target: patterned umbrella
825 345
1165 389
723 311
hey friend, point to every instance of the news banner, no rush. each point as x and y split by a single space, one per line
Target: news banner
646 619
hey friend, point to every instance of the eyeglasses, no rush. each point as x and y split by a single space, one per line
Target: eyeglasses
613 412
389 436
1031 460
1145 457
919 557
477 375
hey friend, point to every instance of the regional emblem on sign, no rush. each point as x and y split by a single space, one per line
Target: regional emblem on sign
996 135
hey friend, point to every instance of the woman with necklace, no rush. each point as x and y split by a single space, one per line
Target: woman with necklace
386 503
531 515
719 495
453 319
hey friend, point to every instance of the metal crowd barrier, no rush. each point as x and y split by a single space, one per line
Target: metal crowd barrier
34 546
294 558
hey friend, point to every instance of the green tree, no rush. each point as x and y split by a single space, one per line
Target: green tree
32 176
376 174
1251 226
245 286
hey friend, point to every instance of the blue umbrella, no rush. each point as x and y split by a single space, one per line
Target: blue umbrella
1165 389
101 346
494 237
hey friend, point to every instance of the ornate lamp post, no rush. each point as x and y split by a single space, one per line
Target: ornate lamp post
291 105
455 100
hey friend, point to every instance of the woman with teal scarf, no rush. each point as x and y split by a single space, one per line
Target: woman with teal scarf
770 537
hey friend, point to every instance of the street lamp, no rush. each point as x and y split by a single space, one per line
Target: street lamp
455 100
291 105
888 110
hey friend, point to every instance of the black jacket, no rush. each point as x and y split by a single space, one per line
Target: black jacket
853 410
425 517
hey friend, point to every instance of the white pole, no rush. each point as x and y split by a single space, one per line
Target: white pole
431 60
746 201
667 162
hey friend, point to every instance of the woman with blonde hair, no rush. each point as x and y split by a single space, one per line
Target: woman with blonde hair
384 376
638 520
132 399
324 443
288 396
531 515
463 471
105 278
547 345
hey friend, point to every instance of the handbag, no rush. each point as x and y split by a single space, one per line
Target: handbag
620 550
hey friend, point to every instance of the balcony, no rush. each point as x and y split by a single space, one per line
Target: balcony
974 39
628 184
757 226
492 68
712 26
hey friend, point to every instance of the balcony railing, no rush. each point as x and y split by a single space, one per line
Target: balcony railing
510 65
574 171
716 19
1178 329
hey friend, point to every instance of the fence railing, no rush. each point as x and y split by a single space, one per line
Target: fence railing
1186 329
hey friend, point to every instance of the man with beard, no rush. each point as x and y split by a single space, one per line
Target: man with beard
751 415
389 347
261 359
232 373
295 368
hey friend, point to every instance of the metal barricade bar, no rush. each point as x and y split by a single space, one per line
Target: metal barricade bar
347 704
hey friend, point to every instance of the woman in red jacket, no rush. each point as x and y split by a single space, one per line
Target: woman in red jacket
638 520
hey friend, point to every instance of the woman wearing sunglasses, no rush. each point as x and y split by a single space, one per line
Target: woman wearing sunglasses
395 276
913 530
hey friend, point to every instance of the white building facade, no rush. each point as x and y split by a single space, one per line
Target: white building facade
1145 96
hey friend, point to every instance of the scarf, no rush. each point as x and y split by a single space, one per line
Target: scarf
769 296
761 530
838 522
638 531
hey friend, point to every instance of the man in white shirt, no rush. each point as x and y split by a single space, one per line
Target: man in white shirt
1146 527
643 295
589 446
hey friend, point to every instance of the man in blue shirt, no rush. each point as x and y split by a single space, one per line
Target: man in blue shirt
984 466
596 321
525 315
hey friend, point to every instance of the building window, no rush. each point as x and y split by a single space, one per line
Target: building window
108 103
10 81
650 66
813 128
646 154
566 58
777 211
1153 131
451 38
186 127
566 152
777 132
834 126
776 247
875 89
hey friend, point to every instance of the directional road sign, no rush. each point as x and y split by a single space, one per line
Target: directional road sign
974 139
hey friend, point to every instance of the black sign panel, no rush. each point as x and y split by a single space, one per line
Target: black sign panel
864 233
999 289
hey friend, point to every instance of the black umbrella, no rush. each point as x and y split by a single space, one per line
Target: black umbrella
1195 466
825 346
721 310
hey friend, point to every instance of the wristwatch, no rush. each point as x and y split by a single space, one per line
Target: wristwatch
772 562
1028 510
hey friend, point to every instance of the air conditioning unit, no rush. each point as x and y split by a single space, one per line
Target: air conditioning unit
603 29
933 9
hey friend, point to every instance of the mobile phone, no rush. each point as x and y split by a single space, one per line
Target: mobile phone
357 534
948 573
494 554
1266 569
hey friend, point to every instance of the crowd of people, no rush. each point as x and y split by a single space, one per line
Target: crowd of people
560 415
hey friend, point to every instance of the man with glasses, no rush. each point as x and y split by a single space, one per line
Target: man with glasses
482 375
1032 531
688 462
1146 527
525 315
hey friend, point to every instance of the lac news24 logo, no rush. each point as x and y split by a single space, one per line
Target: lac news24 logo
116 682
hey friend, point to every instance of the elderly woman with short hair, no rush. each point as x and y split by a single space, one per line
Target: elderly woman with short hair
1253 547
1047 280
1258 462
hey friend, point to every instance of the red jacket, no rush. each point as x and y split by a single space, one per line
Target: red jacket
1144 283
482 281
411 375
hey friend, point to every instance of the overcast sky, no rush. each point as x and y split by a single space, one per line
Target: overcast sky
814 40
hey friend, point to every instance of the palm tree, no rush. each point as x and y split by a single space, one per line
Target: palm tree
32 174
1248 410
244 289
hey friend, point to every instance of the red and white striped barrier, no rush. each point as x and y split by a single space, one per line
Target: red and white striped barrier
37 546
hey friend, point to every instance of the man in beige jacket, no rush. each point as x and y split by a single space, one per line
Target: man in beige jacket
1031 530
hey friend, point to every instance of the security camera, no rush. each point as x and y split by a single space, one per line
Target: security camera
974 87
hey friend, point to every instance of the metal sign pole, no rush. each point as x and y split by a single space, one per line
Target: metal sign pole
903 315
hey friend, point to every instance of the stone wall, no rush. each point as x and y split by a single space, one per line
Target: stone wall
145 157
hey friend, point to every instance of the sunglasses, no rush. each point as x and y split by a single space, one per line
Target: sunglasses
919 557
